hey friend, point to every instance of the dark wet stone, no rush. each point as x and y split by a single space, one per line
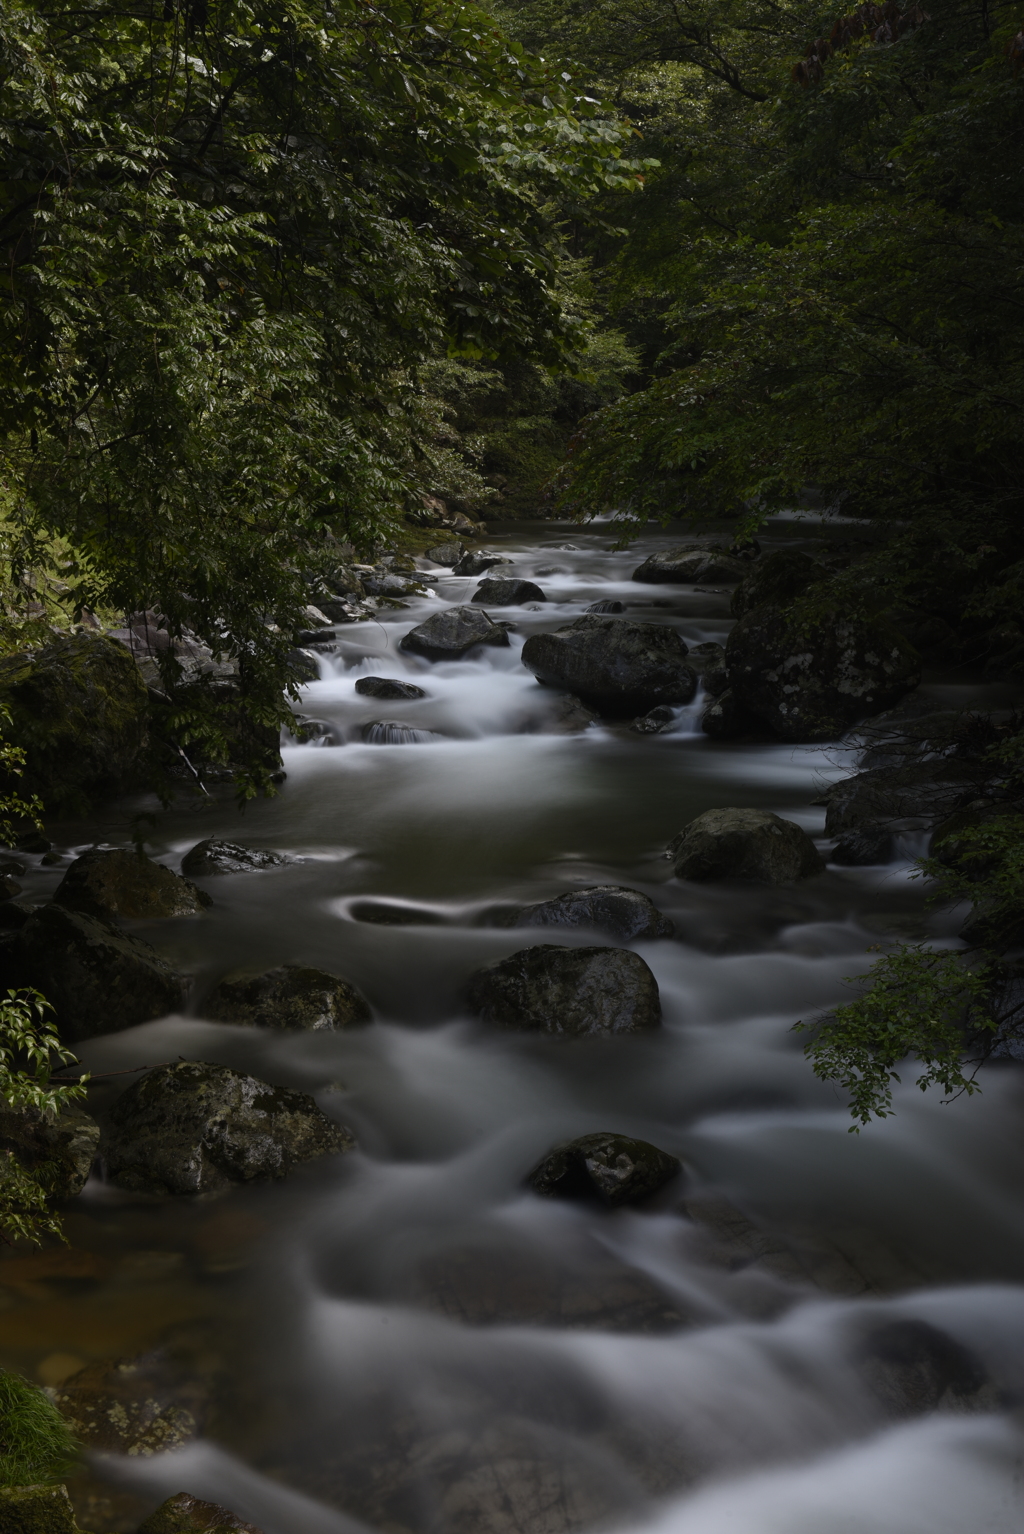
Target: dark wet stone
12 917
508 593
194 1127
567 992
613 1168
606 606
388 687
41 1509
446 554
744 844
687 565
216 857
897 798
811 681
475 562
58 1152
384 913
14 868
448 635
659 719
291 996
912 1367
613 908
618 667
775 580
9 887
122 883
185 1514
97 978
863 848
135 1406
571 716
302 667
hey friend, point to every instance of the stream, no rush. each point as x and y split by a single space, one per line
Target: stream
407 1339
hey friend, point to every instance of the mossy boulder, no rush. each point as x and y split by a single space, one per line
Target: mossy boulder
753 845
59 1152
79 710
97 978
115 882
567 992
616 1169
291 996
38 1509
776 580
185 1514
194 1127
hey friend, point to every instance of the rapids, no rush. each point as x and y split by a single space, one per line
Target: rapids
405 1339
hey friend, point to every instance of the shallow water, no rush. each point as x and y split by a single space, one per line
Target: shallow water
404 1339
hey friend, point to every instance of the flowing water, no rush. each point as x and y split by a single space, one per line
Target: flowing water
405 1338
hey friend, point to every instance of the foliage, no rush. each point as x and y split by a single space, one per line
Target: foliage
13 807
30 1052
36 1444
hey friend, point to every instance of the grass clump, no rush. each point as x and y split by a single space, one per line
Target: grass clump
36 1444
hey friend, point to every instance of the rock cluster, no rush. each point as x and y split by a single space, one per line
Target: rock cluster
567 992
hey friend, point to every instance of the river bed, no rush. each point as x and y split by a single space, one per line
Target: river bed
406 1339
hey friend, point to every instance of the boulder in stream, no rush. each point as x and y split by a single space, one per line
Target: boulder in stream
185 1514
448 635
656 722
194 1127
753 845
613 908
59 1152
291 996
613 1168
97 978
216 857
567 992
388 687
688 564
447 554
475 562
508 593
775 580
618 667
911 1367
809 681
115 882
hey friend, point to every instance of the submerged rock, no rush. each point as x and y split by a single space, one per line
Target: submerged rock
40 1509
80 712
569 992
450 634
97 978
194 1127
135 1406
58 1152
776 580
744 844
618 667
614 1168
624 913
185 1514
291 996
688 564
216 857
811 681
912 1367
121 883
508 593
388 687
475 562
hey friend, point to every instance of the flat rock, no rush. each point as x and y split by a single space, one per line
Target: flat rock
508 593
387 687
58 1152
36 1510
450 634
618 667
688 564
212 857
185 1514
97 978
811 681
291 996
775 580
753 845
475 562
613 1168
613 908
567 992
194 1127
122 883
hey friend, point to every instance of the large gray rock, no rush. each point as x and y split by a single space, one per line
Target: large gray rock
193 1127
775 580
292 996
97 978
744 844
508 593
687 565
185 1514
475 562
613 908
811 681
614 1168
388 687
571 992
216 857
120 883
617 667
450 634
58 1152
